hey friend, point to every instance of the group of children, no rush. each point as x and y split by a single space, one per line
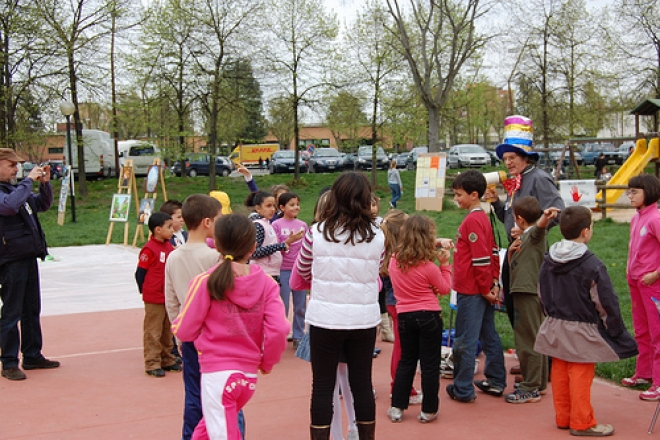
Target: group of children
564 303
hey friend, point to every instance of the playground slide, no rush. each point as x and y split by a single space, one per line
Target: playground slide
632 167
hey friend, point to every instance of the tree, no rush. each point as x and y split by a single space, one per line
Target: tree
280 119
437 38
301 34
345 117
405 116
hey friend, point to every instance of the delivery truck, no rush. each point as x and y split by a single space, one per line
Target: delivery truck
249 155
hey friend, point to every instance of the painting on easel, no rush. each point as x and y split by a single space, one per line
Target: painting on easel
146 209
120 207
125 181
152 179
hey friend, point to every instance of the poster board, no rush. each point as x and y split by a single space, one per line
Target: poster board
64 193
578 192
126 187
430 181
147 204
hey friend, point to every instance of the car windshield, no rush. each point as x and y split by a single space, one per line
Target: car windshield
326 153
284 154
470 149
367 151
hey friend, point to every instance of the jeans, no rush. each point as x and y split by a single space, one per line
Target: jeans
475 320
192 409
396 193
420 334
299 303
326 346
21 301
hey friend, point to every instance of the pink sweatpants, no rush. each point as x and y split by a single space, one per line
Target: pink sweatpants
646 321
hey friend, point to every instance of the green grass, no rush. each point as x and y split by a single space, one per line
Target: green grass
610 241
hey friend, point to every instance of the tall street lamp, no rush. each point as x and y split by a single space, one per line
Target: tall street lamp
67 109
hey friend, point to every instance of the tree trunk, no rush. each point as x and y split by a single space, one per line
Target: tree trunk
82 180
434 128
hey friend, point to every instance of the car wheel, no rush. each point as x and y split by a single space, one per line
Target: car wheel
225 172
192 172
106 173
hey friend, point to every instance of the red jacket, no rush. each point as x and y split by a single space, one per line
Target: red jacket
152 259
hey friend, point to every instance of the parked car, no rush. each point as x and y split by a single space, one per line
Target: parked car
25 170
411 162
467 155
555 155
591 151
625 150
350 161
402 160
325 159
365 158
282 161
494 160
198 164
56 169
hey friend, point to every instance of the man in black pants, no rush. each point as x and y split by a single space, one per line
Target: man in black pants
22 243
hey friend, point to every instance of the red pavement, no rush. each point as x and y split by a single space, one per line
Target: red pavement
101 392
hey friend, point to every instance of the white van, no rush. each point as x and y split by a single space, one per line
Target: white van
99 153
142 153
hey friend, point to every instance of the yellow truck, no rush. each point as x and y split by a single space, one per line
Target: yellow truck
249 155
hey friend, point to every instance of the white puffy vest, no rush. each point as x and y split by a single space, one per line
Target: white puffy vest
272 263
344 282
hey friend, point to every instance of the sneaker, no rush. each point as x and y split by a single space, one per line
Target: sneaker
450 391
42 363
595 431
634 381
652 393
395 414
296 343
392 206
416 399
485 386
13 373
174 367
158 372
427 417
522 396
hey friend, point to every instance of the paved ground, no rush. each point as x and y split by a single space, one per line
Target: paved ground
92 323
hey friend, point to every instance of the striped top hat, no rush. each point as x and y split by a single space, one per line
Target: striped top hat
518 137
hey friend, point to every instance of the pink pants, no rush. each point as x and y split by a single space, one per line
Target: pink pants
646 321
396 350
224 394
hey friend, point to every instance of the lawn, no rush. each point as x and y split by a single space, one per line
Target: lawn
610 241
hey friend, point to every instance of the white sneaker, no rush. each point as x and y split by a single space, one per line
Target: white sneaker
427 417
416 399
395 414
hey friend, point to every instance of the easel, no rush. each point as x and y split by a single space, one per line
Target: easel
130 189
139 230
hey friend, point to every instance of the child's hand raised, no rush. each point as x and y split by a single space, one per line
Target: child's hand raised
548 215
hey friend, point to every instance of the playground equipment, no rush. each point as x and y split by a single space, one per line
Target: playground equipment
635 165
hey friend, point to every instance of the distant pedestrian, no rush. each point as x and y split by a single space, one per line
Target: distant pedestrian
395 184
261 163
599 165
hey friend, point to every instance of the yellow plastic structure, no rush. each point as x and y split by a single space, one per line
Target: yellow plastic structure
632 167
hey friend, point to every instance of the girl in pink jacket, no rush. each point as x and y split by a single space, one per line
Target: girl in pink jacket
234 315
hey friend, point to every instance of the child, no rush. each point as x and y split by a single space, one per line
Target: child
173 208
643 276
395 184
386 334
583 324
150 277
284 227
476 281
187 261
525 258
277 190
268 252
417 281
234 315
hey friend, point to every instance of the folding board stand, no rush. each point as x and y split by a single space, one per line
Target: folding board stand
139 230
131 188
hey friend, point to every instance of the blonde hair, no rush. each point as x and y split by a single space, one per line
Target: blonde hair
417 243
392 225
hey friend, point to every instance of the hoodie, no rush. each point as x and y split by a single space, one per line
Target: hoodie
246 331
584 321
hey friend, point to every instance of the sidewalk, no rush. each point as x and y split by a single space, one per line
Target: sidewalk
92 324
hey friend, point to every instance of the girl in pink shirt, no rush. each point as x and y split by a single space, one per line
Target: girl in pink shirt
643 275
234 315
417 282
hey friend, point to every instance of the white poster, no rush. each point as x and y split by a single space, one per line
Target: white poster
578 192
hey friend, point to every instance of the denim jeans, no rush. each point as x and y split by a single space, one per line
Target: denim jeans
396 193
326 346
420 334
21 301
475 320
299 303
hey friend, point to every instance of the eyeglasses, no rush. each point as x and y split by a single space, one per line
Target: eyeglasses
633 192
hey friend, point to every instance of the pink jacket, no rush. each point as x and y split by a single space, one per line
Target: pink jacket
246 331
418 288
644 250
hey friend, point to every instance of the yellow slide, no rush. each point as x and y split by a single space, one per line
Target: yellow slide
632 167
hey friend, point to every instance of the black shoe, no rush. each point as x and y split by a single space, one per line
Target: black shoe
450 392
296 343
174 367
158 372
488 388
39 364
13 373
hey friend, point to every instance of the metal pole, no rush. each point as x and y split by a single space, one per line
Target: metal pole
68 142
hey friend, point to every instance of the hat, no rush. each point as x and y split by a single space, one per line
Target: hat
518 137
10 154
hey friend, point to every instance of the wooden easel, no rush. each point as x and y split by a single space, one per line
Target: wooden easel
131 189
139 230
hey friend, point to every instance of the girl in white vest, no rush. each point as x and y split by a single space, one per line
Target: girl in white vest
341 256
